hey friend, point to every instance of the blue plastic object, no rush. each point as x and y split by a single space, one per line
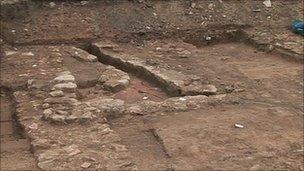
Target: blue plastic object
298 27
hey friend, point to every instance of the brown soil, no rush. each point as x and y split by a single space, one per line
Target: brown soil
268 96
148 153
230 65
139 90
239 47
15 149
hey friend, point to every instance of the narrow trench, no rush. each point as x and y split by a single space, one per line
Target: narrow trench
147 150
137 71
170 88
15 147
8 114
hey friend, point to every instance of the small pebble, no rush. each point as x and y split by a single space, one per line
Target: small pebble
27 54
34 126
52 4
84 2
238 125
86 165
45 105
208 38
182 99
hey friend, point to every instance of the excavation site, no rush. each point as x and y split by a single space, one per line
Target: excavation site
152 85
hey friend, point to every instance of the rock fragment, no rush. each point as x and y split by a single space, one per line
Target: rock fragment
45 105
196 88
40 144
184 54
64 79
238 125
8 53
34 126
62 100
69 87
82 55
52 4
57 93
27 54
47 112
114 80
267 3
72 150
85 165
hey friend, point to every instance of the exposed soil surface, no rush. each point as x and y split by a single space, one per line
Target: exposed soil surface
265 104
151 85
147 151
15 149
139 90
229 66
267 137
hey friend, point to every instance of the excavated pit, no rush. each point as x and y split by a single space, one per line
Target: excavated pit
186 90
236 69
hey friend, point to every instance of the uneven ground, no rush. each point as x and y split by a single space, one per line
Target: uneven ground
14 147
151 85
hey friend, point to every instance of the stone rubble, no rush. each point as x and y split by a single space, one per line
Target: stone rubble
114 80
9 53
66 87
95 145
57 93
62 106
81 54
115 107
197 88
92 146
64 79
108 105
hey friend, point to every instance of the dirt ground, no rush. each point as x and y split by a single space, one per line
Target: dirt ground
151 85
15 149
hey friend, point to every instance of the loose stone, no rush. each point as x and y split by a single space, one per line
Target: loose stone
57 118
34 126
66 86
45 105
86 165
57 93
47 112
64 79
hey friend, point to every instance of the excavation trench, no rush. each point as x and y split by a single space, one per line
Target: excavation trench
137 71
9 120
159 78
196 37
148 151
15 146
145 145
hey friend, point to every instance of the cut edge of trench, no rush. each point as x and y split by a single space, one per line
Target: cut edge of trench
18 129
